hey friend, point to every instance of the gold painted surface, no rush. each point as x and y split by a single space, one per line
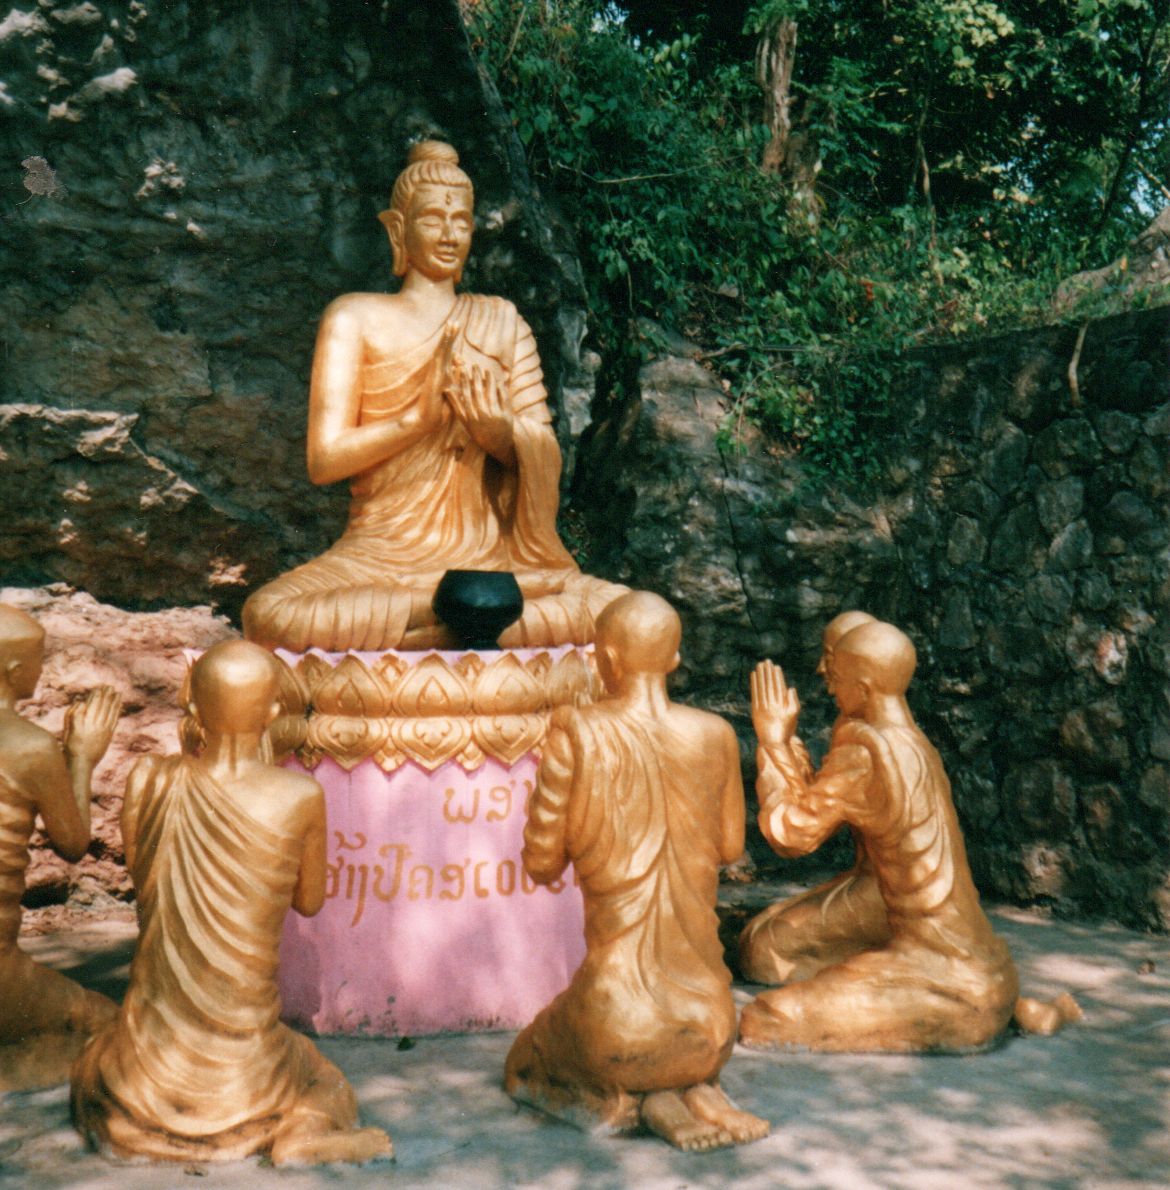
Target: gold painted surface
433 406
45 1018
795 938
644 798
427 710
940 979
197 1066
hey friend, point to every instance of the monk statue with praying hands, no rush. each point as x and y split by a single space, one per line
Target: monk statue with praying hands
644 798
796 937
197 1066
937 977
45 1018
432 404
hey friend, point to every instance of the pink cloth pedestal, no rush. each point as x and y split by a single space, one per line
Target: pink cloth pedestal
430 923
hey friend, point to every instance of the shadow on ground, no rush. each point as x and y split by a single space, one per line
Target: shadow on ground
1089 1108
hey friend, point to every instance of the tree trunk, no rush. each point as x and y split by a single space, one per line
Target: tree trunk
775 57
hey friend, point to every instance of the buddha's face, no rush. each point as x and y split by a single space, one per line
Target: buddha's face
436 233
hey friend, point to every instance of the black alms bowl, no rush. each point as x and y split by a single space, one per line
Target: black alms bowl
477 605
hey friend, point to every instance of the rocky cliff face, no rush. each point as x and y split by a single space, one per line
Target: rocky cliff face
142 655
1021 536
200 179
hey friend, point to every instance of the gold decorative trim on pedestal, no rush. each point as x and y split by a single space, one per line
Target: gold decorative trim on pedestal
426 709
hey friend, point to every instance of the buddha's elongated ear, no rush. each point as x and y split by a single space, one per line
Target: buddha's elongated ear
395 227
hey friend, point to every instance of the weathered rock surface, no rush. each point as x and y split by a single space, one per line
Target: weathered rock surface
1021 536
141 655
200 179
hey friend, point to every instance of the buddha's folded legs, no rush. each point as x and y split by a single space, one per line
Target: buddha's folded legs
327 604
794 939
302 610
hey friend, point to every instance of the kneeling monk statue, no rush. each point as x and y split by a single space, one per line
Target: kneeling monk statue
940 978
45 1018
644 798
433 405
197 1066
795 938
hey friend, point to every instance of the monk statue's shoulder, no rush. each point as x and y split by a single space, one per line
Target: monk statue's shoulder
300 787
713 729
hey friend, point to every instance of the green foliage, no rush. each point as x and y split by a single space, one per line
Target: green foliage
971 153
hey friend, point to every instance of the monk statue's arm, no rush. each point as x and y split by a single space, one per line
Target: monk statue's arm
798 816
545 855
137 783
309 893
63 783
339 446
798 811
732 811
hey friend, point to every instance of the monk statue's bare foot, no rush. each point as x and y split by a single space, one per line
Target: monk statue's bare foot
356 1147
666 1114
708 1102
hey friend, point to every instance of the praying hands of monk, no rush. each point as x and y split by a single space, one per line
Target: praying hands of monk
942 979
798 936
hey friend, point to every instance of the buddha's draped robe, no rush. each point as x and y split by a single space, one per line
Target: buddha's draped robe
650 1007
944 979
198 1065
441 504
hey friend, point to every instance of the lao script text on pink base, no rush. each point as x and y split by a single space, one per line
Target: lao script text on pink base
430 923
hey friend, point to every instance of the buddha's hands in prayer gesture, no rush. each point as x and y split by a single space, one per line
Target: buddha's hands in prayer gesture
775 706
478 401
89 725
434 411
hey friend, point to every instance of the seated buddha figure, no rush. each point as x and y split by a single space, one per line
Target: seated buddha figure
432 404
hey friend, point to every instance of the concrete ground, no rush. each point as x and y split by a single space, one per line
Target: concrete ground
1088 1108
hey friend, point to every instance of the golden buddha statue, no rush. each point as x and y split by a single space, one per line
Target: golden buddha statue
644 798
197 1066
942 979
795 938
45 1018
433 405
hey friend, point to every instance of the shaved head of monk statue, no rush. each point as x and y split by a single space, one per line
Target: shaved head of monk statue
644 798
45 1018
796 937
197 1066
942 980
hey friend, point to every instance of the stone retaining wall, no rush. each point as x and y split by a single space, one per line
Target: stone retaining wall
1020 535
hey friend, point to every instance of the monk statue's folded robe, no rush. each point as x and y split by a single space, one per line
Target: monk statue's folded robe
197 1065
650 1008
441 504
